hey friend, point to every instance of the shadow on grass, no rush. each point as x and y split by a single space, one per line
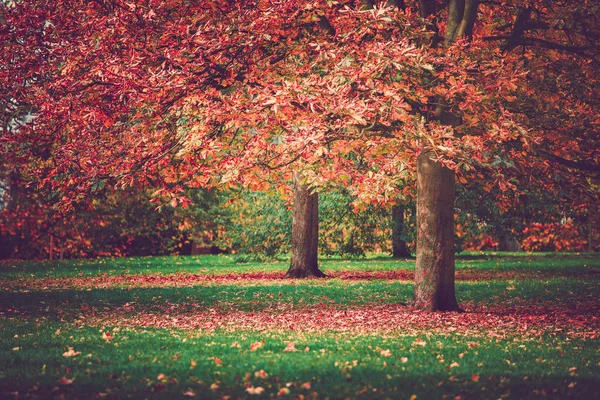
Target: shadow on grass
60 303
324 382
245 298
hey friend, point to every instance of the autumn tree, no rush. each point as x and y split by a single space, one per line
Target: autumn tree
257 225
223 92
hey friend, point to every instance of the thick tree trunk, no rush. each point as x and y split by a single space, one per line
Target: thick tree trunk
434 273
305 232
399 248
508 242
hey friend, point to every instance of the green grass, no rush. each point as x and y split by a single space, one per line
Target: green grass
252 297
337 365
37 326
224 264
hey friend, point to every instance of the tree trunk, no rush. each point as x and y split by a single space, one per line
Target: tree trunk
305 232
590 235
507 242
399 248
434 273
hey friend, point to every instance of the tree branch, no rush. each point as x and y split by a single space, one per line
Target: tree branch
527 41
580 165
518 29
555 46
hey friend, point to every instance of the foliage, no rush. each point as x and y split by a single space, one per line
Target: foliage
557 237
195 99
349 231
486 216
112 223
258 224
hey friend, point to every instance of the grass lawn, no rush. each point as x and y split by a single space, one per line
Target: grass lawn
208 327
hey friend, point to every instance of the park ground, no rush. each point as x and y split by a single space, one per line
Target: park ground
209 327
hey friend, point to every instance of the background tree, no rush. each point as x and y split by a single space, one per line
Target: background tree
257 225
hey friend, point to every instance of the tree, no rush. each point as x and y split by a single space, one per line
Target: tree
258 224
221 92
305 232
114 223
399 246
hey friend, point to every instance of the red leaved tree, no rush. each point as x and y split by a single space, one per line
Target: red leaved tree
347 93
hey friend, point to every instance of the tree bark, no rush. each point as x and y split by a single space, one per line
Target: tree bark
434 273
305 232
51 247
399 248
590 235
507 242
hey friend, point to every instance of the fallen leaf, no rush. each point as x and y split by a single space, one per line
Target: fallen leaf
475 378
283 391
189 393
403 360
255 390
65 381
261 374
386 353
71 353
306 385
256 345
290 347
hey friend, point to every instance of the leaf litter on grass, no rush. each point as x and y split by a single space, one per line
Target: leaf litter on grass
499 321
261 278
